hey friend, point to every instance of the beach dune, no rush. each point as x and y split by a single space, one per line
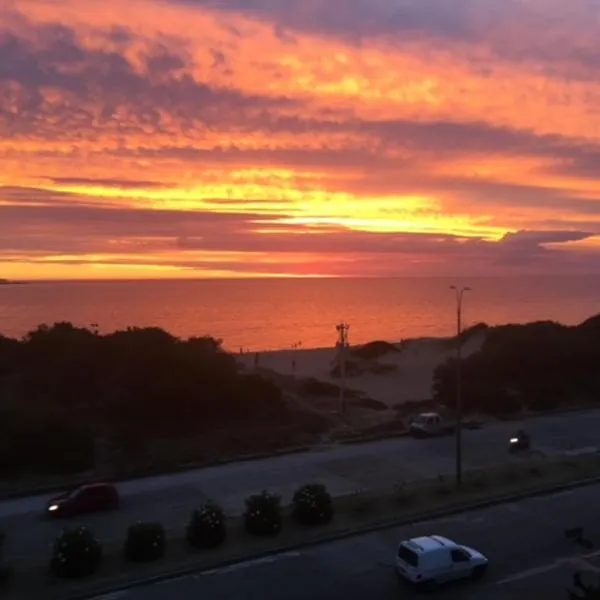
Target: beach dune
401 376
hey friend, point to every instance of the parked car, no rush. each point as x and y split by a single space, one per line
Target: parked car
433 560
93 497
430 424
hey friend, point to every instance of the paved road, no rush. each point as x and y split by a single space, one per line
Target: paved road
170 498
529 558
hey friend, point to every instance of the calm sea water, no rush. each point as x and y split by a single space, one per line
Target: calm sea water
275 314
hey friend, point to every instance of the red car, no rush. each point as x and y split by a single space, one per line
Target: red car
93 497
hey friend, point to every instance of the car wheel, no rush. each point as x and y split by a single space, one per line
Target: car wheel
478 572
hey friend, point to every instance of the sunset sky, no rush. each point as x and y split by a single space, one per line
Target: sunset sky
199 138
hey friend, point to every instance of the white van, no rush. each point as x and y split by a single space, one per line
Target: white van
431 560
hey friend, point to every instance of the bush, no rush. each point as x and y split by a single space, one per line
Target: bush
145 542
207 527
374 350
76 554
312 505
263 514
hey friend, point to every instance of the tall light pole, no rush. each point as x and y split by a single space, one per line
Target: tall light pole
459 291
342 344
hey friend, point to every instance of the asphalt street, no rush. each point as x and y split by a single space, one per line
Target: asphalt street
530 557
170 498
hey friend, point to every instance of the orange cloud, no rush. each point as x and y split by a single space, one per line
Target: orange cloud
295 119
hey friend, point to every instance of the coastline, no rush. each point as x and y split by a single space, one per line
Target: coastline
403 374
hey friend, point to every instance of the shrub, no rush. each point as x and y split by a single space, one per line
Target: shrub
374 350
76 554
145 542
263 514
312 505
207 527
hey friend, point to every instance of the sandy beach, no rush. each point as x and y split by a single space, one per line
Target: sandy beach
404 375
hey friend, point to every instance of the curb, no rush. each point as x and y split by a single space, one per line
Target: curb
326 538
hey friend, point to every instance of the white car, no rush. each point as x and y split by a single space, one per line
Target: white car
431 560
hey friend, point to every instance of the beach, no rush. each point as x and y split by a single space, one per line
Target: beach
405 374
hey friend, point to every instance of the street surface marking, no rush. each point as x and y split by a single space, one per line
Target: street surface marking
575 559
579 451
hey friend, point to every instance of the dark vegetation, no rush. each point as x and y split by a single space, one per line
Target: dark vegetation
76 554
84 400
374 350
142 400
312 505
263 516
207 527
538 366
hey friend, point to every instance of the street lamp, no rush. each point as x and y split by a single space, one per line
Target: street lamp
459 291
342 344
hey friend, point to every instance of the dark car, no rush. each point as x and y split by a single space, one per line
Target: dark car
93 497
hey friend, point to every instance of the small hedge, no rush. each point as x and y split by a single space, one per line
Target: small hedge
145 542
76 553
207 527
312 505
263 514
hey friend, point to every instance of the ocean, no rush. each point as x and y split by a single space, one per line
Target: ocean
273 314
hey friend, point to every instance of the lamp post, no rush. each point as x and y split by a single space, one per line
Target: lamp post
459 291
342 344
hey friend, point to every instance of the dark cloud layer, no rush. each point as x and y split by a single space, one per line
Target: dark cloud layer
98 83
549 32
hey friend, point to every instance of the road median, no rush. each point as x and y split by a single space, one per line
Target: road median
358 512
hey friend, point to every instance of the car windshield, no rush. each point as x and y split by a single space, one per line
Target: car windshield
73 493
407 555
421 420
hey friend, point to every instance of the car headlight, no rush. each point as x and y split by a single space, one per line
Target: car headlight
53 507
